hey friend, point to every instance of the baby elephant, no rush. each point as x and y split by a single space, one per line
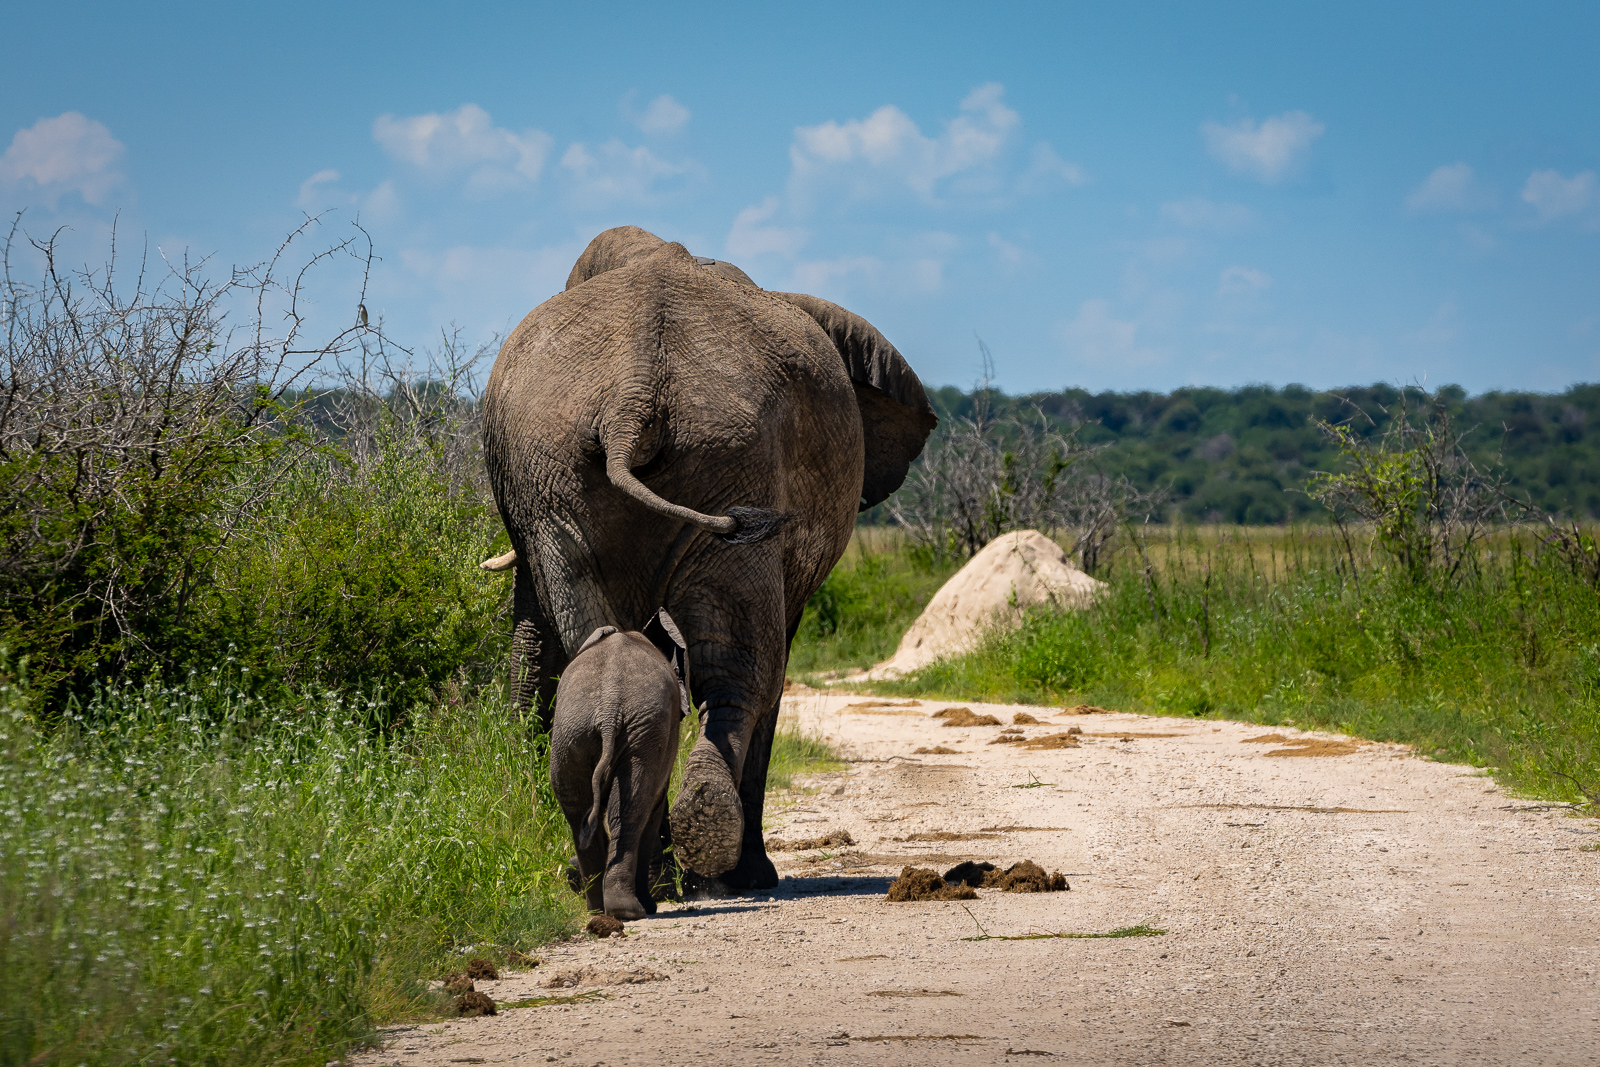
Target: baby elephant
613 741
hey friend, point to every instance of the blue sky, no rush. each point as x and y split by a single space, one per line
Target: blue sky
1128 196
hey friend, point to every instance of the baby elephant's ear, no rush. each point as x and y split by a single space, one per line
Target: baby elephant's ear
663 633
595 638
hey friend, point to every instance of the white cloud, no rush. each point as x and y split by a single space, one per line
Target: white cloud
662 115
311 189
613 172
1553 196
1200 214
1243 281
465 139
1449 188
69 153
1095 336
750 238
1045 168
1266 152
887 150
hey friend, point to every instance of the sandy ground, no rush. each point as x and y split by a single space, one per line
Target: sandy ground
1363 908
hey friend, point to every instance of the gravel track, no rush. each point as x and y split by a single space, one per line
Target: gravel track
1358 908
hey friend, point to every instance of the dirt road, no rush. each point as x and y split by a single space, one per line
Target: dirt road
1364 907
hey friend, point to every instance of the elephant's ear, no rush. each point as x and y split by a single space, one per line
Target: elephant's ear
616 247
896 417
594 639
662 632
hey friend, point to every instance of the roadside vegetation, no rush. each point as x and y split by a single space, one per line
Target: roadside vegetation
1440 608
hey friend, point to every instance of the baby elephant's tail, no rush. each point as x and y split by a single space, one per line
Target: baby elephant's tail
610 728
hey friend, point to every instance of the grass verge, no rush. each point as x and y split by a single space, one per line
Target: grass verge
188 878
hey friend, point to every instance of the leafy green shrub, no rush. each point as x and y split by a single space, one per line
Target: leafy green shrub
134 428
364 573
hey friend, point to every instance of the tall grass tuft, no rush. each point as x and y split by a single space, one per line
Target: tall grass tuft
189 877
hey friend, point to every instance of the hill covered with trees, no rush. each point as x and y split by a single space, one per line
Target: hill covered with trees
1244 455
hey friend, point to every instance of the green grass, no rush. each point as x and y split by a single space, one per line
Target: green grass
187 878
796 753
1500 669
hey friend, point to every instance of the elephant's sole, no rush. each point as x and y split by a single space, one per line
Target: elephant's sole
707 822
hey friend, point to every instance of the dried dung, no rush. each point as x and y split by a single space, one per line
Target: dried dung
1022 718
1086 709
457 984
869 704
969 873
1023 877
1066 740
964 717
1009 739
517 958
883 707
1027 877
936 750
832 839
604 925
471 1004
591 976
1313 746
919 883
1302 746
482 969
943 835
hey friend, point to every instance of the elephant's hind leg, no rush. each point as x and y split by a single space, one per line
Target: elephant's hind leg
754 869
707 819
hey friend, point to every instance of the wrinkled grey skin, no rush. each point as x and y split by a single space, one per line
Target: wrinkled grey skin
666 433
613 739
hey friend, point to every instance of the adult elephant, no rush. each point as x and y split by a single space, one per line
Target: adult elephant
664 433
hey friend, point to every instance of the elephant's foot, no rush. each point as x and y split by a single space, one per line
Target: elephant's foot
707 820
624 906
753 871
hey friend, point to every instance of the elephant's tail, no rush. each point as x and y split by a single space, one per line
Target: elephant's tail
740 526
604 779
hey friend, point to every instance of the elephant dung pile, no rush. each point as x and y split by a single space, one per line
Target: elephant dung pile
964 717
919 883
604 926
1014 572
1024 877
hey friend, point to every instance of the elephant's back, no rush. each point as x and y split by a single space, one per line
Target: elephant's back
734 396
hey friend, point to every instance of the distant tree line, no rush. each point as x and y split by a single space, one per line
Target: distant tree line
1246 455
